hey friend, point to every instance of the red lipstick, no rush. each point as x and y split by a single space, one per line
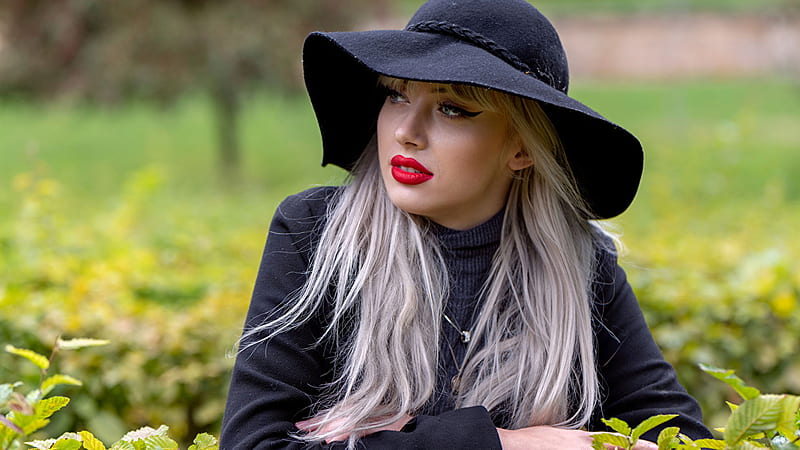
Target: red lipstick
409 170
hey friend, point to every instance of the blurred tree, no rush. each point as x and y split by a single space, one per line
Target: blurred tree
111 51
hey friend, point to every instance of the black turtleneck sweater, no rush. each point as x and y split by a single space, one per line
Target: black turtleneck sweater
468 256
274 386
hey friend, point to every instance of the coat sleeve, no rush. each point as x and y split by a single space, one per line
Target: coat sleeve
635 379
274 385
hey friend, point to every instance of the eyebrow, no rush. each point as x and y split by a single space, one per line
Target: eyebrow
433 88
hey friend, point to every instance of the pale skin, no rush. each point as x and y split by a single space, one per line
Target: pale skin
538 437
472 154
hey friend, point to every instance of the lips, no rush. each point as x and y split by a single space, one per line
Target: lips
409 170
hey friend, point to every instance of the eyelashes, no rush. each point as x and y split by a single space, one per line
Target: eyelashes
455 111
448 109
395 96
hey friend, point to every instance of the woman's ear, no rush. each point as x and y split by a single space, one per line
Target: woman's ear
519 160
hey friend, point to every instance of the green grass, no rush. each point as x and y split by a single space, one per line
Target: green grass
708 144
91 152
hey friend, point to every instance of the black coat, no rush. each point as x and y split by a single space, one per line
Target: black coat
273 387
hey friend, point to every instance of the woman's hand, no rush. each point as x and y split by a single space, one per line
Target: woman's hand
309 425
546 437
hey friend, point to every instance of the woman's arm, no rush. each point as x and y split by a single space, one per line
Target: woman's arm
274 386
635 379
557 438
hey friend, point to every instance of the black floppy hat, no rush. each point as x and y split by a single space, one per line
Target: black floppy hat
507 45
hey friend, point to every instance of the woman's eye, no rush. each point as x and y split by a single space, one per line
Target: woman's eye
395 97
454 112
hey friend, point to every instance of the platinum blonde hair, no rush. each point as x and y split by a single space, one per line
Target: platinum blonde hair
375 269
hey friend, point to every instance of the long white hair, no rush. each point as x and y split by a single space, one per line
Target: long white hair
531 359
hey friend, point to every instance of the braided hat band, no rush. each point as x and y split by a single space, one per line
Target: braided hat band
505 45
479 40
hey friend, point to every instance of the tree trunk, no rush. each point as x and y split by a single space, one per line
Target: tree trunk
227 110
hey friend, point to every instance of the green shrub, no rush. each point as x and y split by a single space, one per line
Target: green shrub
22 415
760 421
171 330
727 301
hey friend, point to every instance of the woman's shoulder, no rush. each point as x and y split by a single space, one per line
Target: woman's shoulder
315 199
306 208
299 220
607 274
605 251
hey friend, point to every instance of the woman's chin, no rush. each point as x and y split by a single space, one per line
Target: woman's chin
410 207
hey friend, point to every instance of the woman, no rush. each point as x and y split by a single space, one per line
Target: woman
456 293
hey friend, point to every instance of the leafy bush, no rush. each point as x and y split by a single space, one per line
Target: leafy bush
725 302
22 415
760 421
172 300
170 329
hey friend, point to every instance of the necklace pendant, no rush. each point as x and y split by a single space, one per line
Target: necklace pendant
454 383
466 336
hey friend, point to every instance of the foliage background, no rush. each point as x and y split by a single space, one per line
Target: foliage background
116 223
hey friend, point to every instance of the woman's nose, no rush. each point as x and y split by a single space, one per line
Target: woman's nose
410 131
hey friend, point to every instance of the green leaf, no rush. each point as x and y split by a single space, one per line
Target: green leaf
40 361
10 425
122 445
687 443
762 413
787 424
650 423
611 439
160 443
55 380
620 426
35 425
205 441
749 445
710 443
46 407
42 445
6 436
597 444
668 438
727 376
66 444
90 442
145 432
71 435
74 344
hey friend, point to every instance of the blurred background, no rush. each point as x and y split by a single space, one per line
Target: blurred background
144 145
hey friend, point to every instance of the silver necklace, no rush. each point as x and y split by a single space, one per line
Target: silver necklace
466 336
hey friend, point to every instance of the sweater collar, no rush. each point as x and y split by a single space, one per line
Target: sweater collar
480 235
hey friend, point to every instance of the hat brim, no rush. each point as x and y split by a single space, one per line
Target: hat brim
341 71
